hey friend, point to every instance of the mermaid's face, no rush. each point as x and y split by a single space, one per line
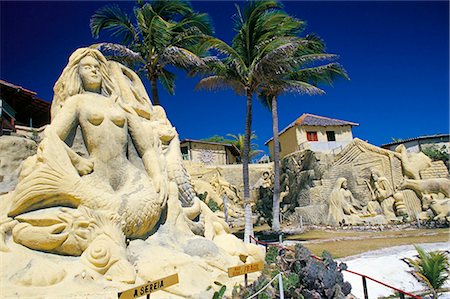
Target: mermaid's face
89 71
344 184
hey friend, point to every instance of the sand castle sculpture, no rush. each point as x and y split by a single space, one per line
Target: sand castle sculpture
224 194
106 201
365 184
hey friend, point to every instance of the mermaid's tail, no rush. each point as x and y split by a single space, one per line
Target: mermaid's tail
52 181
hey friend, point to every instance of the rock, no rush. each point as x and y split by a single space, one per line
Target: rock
13 151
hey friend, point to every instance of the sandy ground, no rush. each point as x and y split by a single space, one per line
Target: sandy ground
385 265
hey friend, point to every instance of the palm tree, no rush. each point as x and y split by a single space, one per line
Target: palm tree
259 45
165 32
308 73
239 141
430 268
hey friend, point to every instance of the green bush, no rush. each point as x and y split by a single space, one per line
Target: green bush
211 204
437 154
430 268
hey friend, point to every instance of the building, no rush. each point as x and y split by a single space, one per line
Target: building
21 110
415 145
206 152
317 133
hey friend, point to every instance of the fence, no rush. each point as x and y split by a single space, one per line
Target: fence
363 277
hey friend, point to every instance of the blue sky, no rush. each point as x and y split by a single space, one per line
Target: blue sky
396 54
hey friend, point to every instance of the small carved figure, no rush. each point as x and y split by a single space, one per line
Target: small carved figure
412 163
341 203
265 181
382 193
421 187
223 187
439 207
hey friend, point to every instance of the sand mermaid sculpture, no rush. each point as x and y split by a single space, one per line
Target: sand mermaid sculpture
91 204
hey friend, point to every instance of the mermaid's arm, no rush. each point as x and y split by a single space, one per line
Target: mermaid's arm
149 149
62 124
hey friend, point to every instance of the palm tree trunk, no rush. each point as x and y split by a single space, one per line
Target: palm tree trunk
155 97
245 161
276 168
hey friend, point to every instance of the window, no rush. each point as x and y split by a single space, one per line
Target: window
311 136
185 152
331 136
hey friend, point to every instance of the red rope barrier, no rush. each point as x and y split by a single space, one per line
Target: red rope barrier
275 244
382 283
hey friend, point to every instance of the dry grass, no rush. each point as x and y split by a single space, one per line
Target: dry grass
342 244
332 234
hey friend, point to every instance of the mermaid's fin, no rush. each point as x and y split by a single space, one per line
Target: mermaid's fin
50 182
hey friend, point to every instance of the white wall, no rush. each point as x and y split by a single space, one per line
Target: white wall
343 136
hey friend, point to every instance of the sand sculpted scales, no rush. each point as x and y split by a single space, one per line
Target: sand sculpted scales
107 185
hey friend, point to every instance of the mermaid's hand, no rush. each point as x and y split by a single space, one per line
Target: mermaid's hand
84 166
161 187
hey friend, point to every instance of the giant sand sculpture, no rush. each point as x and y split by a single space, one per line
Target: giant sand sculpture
106 202
365 184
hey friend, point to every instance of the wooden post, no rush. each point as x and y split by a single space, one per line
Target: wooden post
280 285
246 280
225 207
366 294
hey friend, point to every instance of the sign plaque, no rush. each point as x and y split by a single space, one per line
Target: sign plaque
244 269
149 287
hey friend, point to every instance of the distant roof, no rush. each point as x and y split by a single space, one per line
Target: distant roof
307 119
234 150
416 138
25 103
315 120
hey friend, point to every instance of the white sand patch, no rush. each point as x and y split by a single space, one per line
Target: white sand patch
386 265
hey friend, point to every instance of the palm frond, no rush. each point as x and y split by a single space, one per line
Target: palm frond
220 83
171 10
430 268
155 30
113 19
312 44
312 58
278 61
167 80
118 50
223 48
322 74
201 21
300 87
211 65
239 142
180 57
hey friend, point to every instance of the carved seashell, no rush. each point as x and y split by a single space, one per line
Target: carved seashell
122 271
39 273
98 255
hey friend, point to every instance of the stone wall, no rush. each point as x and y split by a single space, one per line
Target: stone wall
231 173
437 170
13 151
